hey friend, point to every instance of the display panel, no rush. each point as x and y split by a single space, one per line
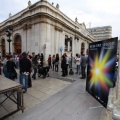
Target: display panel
101 69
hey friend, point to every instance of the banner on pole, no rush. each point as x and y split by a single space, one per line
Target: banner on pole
101 69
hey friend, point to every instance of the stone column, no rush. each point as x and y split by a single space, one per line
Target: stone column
80 46
52 41
77 45
36 38
43 38
61 39
6 45
62 42
32 38
68 46
73 46
24 38
29 38
48 41
56 41
86 46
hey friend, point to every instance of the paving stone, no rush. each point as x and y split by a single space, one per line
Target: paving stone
58 99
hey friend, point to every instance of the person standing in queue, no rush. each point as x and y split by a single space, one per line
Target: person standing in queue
53 61
83 66
49 61
25 67
56 62
67 64
10 65
29 75
35 66
63 66
41 58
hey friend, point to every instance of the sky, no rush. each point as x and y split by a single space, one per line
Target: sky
94 13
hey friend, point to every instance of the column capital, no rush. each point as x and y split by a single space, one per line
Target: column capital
76 37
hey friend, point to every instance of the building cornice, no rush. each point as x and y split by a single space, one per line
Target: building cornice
44 8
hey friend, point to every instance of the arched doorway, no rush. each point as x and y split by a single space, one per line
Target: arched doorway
17 44
3 47
82 48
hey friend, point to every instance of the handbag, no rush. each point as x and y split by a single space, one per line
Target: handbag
13 75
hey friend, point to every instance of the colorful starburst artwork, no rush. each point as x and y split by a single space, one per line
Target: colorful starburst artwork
101 69
100 75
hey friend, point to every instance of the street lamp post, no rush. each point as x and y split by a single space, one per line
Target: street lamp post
9 31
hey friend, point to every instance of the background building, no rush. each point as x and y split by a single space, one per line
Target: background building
101 33
43 28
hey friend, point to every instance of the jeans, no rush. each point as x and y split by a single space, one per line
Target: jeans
83 72
34 74
56 68
24 81
5 71
66 69
17 64
78 69
53 66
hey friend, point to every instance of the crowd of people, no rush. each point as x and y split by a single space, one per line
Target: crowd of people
33 64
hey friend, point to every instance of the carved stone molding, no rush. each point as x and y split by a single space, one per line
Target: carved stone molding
76 37
58 28
27 26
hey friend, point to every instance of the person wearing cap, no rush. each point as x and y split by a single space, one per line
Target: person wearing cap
25 67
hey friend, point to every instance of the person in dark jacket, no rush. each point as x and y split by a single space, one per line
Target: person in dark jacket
29 76
63 66
41 58
10 65
53 61
83 66
49 61
56 62
25 67
35 66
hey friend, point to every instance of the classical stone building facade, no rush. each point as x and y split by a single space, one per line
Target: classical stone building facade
101 33
43 28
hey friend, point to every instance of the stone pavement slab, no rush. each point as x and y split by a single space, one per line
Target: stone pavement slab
60 98
41 90
71 103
